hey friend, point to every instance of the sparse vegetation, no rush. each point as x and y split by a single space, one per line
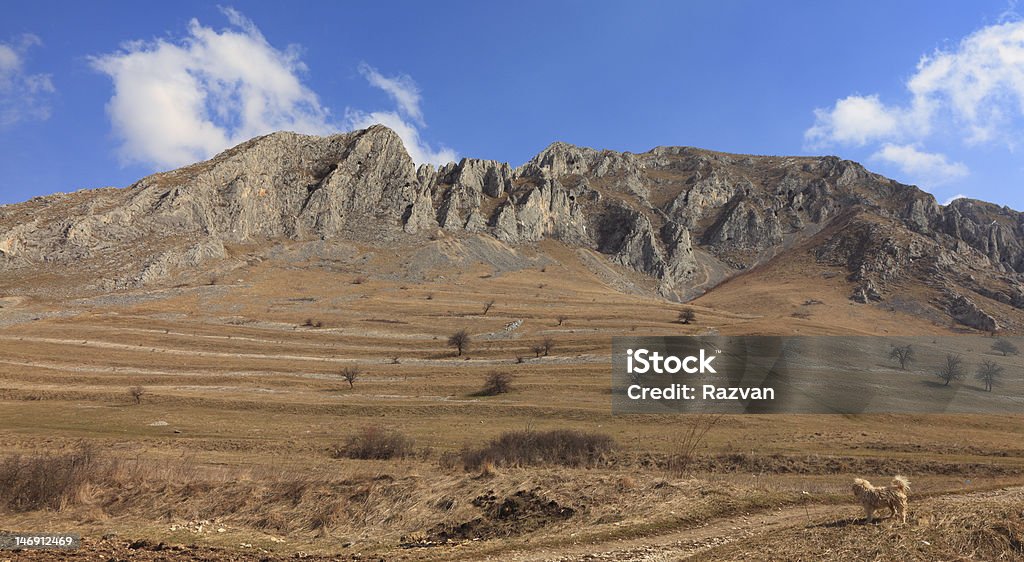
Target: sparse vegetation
560 447
137 392
952 369
350 374
561 318
487 306
902 354
537 350
359 280
1006 347
989 373
49 481
311 323
690 440
374 443
687 316
460 341
547 344
497 382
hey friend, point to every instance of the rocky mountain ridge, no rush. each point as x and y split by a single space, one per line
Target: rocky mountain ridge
673 213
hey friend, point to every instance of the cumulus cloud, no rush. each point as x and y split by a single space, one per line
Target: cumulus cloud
934 168
954 198
854 120
973 91
177 101
23 96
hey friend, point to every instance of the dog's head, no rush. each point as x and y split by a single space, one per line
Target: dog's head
860 486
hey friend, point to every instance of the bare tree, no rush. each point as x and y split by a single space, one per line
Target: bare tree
548 344
1005 347
902 354
137 392
989 373
350 374
460 340
561 318
687 316
953 370
537 350
487 306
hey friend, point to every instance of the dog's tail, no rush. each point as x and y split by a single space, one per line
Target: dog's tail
902 483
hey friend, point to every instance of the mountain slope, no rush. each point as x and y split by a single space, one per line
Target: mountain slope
685 218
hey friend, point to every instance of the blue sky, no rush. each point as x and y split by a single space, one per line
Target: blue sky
100 94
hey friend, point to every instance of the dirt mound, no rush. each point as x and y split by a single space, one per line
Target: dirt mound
519 513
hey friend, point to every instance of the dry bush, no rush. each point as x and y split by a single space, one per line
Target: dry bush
561 447
375 443
137 392
497 382
688 442
50 481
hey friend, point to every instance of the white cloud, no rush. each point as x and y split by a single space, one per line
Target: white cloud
23 96
179 101
406 94
976 88
854 120
934 168
954 198
973 91
401 88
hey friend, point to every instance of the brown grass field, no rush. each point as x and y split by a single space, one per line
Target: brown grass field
236 447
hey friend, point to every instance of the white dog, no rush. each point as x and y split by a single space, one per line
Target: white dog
893 496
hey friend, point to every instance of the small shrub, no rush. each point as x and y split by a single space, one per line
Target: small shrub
687 316
137 392
559 447
497 382
359 280
375 443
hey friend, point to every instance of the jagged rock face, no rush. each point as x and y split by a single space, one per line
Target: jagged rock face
966 312
648 212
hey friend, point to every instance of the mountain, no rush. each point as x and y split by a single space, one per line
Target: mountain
686 220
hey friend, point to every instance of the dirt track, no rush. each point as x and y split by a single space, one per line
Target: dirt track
675 545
